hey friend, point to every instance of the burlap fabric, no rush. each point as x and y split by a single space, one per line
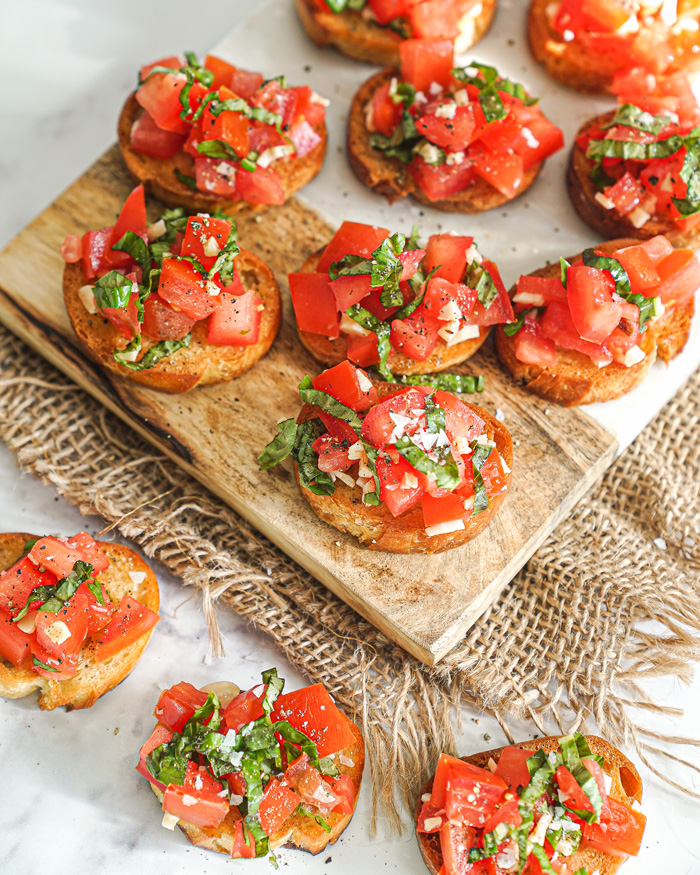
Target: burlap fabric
565 640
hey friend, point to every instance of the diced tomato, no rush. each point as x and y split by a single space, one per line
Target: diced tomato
184 288
590 294
460 419
386 11
503 170
396 493
500 310
680 276
349 290
493 475
544 140
432 813
378 424
337 428
99 611
344 788
448 253
243 843
347 384
146 137
194 806
435 19
537 291
657 248
197 778
15 645
410 261
130 621
72 249
176 705
452 133
172 62
312 711
161 322
362 350
424 61
620 834
277 804
236 322
58 555
200 231
352 238
236 783
88 550
626 193
58 669
160 735
231 127
17 583
244 708
374 304
385 113
416 336
94 244
532 348
332 454
501 134
125 319
215 176
639 266
512 766
507 813
314 303
222 70
456 839
73 615
556 324
443 509
472 794
262 186
650 48
160 97
245 83
441 180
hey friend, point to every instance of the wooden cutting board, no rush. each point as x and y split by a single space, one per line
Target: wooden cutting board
425 603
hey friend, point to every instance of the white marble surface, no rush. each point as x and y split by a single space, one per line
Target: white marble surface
69 797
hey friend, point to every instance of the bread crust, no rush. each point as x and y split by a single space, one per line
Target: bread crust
333 352
157 175
365 40
376 528
200 364
390 178
611 223
92 679
626 788
575 379
297 831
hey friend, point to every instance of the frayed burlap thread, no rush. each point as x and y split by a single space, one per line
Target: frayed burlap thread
570 640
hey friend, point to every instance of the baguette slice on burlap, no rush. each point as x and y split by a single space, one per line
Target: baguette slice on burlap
333 352
626 787
392 179
298 831
376 528
158 174
611 223
199 364
358 36
576 379
92 679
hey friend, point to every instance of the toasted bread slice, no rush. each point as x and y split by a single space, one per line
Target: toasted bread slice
333 352
298 831
611 223
356 35
92 679
575 379
201 363
568 62
377 529
391 178
626 788
158 174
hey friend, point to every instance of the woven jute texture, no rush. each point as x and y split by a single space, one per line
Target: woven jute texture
567 640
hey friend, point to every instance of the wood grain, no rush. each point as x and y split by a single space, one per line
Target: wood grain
426 604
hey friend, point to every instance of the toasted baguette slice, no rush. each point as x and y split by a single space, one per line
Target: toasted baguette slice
201 363
333 352
575 379
626 788
158 174
360 37
377 529
568 62
92 679
611 223
391 178
298 831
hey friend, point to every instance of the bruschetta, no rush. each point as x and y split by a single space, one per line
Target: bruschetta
590 330
584 43
403 470
635 174
383 302
172 305
459 139
244 773
215 136
372 30
568 805
75 617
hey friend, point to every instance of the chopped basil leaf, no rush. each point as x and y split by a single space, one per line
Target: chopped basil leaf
489 84
631 116
237 104
328 767
224 260
310 477
599 149
541 855
218 149
43 665
154 354
274 686
383 267
413 239
479 279
38 594
434 416
189 181
401 144
280 446
564 268
480 454
403 93
690 174
329 404
113 290
28 544
373 498
600 178
54 596
137 249
96 590
317 817
445 471
382 330
512 328
463 384
401 26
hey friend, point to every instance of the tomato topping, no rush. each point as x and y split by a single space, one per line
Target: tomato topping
200 808
400 487
94 245
378 425
444 509
15 645
160 735
130 621
277 804
451 132
161 322
590 296
679 273
512 766
132 217
455 841
243 843
61 634
99 611
532 348
503 170
59 555
314 303
385 113
177 704
416 336
363 351
205 232
184 288
619 834
262 186
472 794
347 384
160 97
448 253
17 583
349 290
352 238
344 789
72 249
426 61
236 321
312 711
442 180
332 453
216 176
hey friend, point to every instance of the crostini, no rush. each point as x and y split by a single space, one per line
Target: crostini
590 330
584 43
635 174
244 773
75 617
403 470
172 305
372 30
215 136
568 805
381 301
460 139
